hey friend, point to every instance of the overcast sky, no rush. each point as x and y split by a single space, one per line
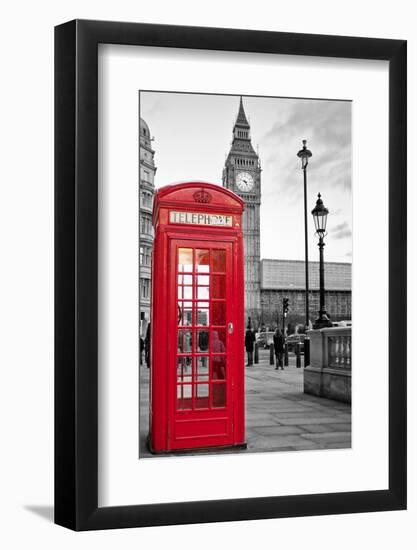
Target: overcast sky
193 134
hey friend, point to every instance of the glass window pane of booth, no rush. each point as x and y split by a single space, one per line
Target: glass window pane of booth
218 341
218 286
202 315
218 394
202 261
185 259
184 369
218 367
218 313
202 368
218 260
184 396
202 340
201 396
185 341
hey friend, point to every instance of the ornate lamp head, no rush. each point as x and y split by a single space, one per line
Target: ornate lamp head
304 154
320 213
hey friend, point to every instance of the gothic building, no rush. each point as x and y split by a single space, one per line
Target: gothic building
242 174
147 171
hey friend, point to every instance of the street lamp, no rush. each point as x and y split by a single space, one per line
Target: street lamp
304 154
320 213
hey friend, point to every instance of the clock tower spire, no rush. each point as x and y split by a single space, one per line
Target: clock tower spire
242 174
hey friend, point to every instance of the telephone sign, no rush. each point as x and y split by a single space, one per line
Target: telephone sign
201 218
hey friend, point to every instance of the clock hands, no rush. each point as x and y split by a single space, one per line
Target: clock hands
244 182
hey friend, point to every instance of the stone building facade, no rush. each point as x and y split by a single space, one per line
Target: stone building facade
147 171
286 279
242 175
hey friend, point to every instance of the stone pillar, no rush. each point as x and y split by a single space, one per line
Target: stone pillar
313 373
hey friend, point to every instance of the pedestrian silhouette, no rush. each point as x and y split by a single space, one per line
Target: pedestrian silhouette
279 348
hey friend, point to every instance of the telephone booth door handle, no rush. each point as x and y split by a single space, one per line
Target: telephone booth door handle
230 328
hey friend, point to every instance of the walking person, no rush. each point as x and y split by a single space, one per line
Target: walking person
142 349
279 348
249 342
148 346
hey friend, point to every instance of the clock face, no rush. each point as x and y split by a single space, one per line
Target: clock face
244 181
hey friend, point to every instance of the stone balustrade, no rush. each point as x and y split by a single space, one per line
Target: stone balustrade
339 348
330 371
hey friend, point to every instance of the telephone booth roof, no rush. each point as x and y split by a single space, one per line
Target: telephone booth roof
198 195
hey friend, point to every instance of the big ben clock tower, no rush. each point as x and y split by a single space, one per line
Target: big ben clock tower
242 174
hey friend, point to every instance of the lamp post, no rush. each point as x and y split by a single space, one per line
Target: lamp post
320 213
304 154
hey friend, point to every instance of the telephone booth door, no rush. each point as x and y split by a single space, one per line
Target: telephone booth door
202 313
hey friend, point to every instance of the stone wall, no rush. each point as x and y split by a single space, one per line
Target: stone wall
338 305
330 371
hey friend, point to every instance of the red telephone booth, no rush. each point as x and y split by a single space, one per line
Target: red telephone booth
197 364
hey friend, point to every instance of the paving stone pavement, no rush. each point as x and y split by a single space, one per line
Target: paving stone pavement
279 415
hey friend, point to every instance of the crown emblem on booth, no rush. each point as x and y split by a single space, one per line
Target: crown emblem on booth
202 196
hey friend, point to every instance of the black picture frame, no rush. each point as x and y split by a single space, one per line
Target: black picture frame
76 272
